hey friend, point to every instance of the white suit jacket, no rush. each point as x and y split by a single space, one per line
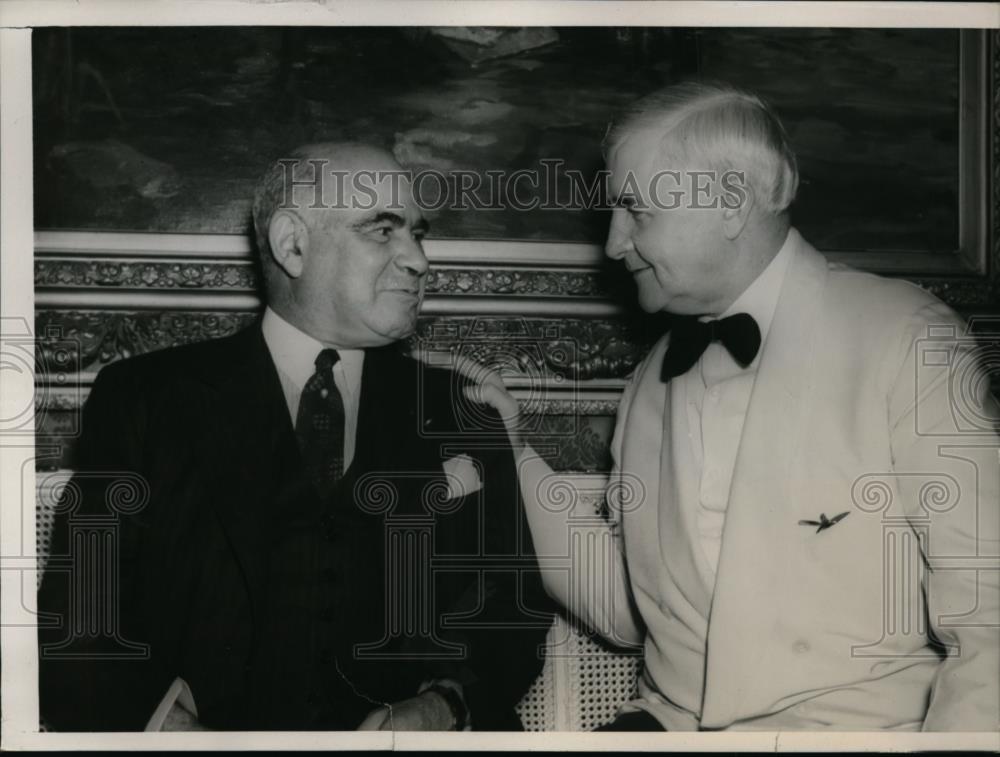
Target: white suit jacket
868 401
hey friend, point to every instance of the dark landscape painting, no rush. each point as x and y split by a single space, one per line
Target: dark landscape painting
168 129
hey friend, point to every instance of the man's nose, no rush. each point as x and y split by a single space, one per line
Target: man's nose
412 258
619 235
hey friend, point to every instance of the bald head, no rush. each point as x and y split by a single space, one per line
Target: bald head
313 178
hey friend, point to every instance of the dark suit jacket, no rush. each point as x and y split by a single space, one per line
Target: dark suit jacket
222 566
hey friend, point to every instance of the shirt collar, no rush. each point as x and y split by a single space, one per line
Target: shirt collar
294 351
760 299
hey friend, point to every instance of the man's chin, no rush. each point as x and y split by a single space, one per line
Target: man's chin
652 304
401 329
681 306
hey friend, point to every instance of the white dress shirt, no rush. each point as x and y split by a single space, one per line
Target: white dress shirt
294 353
718 394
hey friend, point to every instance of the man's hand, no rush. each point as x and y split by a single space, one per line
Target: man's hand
427 712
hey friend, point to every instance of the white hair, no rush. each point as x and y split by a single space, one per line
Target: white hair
717 127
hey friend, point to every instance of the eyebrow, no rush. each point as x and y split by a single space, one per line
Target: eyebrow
386 216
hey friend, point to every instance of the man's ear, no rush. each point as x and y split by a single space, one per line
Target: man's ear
289 241
738 200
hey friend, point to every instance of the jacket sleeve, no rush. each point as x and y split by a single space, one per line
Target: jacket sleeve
95 669
945 448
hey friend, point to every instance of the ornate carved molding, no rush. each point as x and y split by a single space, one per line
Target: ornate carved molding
537 349
78 341
541 348
571 444
65 399
580 406
229 276
53 400
115 273
63 281
516 281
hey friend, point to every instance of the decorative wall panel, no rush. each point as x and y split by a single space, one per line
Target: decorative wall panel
524 349
522 281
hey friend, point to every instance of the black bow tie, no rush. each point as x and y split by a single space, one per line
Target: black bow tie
690 337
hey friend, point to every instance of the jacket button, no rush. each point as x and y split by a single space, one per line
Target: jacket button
801 646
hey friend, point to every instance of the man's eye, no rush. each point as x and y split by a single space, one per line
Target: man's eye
419 234
382 232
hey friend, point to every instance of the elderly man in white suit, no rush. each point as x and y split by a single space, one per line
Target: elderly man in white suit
805 523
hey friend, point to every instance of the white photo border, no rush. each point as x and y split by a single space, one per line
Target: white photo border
18 643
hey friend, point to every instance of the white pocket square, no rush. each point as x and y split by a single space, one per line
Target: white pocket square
462 476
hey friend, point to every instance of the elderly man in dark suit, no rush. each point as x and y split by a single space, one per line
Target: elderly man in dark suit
297 483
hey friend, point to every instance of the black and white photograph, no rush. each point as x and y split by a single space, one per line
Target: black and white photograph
500 375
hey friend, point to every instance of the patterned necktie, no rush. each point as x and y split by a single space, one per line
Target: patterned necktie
689 338
319 425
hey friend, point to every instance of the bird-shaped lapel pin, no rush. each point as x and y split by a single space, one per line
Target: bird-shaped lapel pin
824 523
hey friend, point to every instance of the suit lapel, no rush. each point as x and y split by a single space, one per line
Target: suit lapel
384 415
393 415
751 566
254 450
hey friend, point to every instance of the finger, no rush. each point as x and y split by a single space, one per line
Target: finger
446 359
475 371
475 393
499 399
461 364
433 358
502 400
